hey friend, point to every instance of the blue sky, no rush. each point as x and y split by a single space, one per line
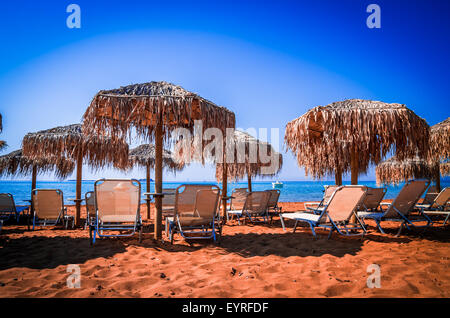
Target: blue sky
268 61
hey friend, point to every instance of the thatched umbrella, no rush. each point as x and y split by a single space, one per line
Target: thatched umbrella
154 109
352 134
15 163
396 171
70 142
440 149
250 159
145 156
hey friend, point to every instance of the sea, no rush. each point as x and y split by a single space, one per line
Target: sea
292 191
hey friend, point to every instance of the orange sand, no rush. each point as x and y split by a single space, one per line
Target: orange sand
251 261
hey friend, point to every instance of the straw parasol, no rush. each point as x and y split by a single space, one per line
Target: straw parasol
15 163
145 156
440 149
396 171
248 159
70 142
352 134
154 110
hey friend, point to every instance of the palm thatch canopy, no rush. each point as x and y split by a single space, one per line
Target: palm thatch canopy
394 171
145 155
154 110
15 163
145 105
440 140
68 141
355 133
2 142
248 155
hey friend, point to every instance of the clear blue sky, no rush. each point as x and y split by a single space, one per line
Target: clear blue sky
268 61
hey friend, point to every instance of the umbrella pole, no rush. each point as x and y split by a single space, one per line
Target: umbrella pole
224 183
33 186
78 188
354 166
437 179
338 177
33 178
158 179
249 181
148 190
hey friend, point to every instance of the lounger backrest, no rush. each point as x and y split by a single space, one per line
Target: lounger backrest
256 202
206 203
168 199
273 198
329 190
7 203
442 198
90 202
373 198
344 202
117 198
431 194
186 194
407 198
47 203
239 195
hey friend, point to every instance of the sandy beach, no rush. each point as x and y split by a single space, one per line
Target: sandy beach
251 261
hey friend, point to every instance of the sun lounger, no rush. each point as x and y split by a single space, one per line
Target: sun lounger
238 196
430 195
439 206
402 206
168 202
317 207
255 207
90 208
9 209
49 210
272 206
336 215
373 198
198 218
117 209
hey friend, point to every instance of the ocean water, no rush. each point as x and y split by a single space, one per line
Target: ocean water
292 191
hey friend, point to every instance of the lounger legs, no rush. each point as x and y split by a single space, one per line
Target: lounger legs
282 223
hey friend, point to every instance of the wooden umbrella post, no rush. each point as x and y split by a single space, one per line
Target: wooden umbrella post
158 178
249 181
33 186
148 191
437 179
78 186
354 166
338 177
224 182
33 178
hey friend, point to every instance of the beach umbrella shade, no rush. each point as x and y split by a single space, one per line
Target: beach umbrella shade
440 149
145 156
352 134
15 163
394 171
251 158
154 110
69 142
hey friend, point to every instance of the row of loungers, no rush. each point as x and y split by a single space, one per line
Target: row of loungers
344 209
193 210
